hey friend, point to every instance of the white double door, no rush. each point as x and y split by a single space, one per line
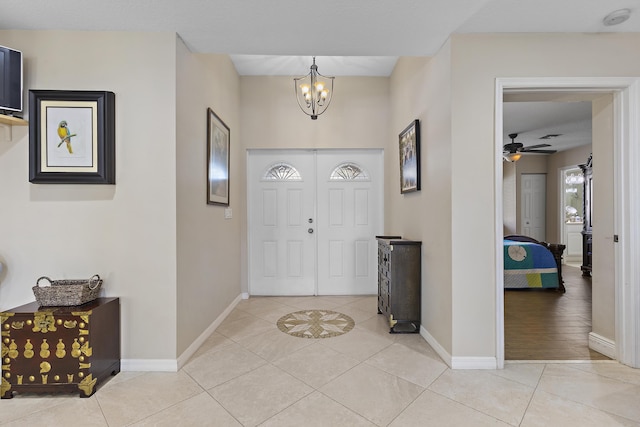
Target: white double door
312 218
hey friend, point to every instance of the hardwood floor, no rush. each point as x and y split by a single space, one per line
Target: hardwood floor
548 325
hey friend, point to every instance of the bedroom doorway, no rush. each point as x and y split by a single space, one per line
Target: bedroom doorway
564 334
625 93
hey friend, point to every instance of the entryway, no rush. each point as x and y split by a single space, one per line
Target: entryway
312 220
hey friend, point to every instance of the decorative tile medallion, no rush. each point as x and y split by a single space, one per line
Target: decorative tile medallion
315 324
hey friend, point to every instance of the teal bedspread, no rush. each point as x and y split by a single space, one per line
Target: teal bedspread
529 265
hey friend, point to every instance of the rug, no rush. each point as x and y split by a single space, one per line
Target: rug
315 324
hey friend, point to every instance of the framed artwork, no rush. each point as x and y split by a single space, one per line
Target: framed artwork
72 137
217 160
410 158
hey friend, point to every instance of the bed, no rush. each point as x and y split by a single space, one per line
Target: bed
530 264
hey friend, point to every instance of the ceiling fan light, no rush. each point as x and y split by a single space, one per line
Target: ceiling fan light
512 157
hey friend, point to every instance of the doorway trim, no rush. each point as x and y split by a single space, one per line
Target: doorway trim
626 124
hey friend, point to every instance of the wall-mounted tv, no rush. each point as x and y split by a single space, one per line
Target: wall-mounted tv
10 79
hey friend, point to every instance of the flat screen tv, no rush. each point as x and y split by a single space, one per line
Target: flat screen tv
10 79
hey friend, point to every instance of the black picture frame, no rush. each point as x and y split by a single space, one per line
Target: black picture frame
409 149
218 153
88 154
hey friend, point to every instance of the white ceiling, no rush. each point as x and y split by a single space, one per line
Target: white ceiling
360 31
532 121
349 37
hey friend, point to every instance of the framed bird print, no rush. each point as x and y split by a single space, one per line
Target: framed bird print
71 137
217 160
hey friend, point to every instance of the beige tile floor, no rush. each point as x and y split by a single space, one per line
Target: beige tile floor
248 373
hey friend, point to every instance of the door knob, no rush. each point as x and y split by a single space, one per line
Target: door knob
310 231
310 220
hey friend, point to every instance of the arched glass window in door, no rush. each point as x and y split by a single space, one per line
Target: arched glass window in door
348 172
282 172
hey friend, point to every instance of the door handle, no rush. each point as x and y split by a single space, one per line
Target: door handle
310 231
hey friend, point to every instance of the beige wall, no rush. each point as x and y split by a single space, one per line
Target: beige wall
357 117
208 251
477 60
124 232
421 89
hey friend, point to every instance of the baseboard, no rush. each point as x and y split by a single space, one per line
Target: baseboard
435 345
148 365
170 365
602 345
190 351
474 363
458 362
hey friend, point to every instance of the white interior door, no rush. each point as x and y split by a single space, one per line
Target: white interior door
349 217
312 220
533 205
281 199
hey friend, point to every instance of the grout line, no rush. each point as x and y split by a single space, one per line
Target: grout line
223 407
533 393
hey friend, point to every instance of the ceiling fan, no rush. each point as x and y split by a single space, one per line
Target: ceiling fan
513 151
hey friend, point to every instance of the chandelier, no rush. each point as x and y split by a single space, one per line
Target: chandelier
313 92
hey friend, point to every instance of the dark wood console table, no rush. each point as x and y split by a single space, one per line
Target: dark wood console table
399 283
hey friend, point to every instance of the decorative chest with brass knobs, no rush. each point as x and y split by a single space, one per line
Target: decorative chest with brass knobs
60 349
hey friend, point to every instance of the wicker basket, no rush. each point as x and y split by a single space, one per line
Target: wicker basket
67 292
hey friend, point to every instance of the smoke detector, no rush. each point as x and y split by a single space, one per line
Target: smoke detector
616 17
